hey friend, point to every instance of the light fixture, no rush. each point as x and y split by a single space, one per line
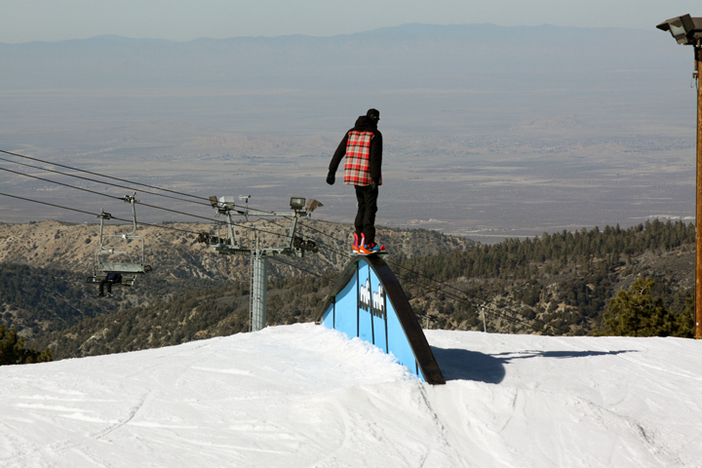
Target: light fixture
685 29
312 205
297 203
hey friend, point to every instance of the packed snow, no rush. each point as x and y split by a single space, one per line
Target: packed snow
306 396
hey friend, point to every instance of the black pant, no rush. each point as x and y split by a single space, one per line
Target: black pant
110 279
102 287
367 207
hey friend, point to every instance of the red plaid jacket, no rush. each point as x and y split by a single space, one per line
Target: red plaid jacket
362 146
357 166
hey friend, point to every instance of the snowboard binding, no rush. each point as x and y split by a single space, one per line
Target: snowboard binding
360 247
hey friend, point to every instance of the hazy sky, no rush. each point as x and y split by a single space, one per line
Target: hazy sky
184 20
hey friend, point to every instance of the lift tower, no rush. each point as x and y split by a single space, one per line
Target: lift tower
260 247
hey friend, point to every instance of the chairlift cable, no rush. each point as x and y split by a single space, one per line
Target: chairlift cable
462 298
93 214
60 183
99 193
321 232
103 175
121 198
117 178
209 219
99 181
50 204
277 259
427 277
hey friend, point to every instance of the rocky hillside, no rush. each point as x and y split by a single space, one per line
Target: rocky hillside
557 284
45 265
173 251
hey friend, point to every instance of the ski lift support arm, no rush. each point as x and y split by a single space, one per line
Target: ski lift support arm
295 246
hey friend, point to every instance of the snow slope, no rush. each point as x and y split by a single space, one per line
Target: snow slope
304 395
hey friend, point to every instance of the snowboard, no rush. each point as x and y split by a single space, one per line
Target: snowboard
355 252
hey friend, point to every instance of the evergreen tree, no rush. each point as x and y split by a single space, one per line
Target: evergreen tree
637 313
12 349
686 319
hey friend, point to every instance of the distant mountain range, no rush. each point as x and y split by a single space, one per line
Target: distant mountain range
405 57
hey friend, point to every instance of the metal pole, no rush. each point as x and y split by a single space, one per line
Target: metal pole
698 263
251 290
258 274
259 286
482 311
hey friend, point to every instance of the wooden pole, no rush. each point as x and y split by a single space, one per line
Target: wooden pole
698 238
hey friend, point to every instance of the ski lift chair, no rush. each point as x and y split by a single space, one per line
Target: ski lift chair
119 265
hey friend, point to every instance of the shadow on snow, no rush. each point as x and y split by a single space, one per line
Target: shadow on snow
461 364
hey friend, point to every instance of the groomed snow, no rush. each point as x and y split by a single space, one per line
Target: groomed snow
306 396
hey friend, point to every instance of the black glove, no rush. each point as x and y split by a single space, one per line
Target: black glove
373 185
331 178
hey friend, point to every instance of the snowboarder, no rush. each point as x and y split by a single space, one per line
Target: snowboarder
363 148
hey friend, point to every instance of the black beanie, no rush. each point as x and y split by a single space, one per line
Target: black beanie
373 114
